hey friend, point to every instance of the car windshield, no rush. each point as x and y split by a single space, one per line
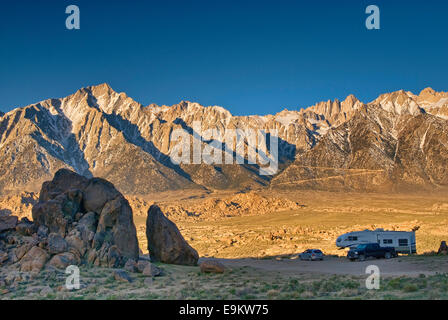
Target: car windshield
361 246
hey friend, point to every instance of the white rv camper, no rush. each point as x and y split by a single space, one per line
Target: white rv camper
402 241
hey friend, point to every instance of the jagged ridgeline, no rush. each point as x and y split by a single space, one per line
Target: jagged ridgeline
397 141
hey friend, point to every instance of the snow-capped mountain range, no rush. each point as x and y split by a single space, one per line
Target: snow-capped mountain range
399 139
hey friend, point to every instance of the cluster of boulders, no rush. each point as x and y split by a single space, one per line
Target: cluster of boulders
76 221
81 221
240 204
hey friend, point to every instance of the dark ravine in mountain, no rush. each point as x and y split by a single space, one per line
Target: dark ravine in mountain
397 141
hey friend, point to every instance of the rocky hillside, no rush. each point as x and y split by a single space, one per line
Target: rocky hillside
240 204
19 205
397 138
397 142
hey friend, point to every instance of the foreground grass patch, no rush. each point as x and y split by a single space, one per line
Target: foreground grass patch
240 283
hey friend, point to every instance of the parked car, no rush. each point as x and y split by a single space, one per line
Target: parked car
312 254
366 250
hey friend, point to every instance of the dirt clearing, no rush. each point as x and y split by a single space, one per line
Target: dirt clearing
401 266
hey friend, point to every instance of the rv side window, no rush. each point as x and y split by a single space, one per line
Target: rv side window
352 238
387 241
402 242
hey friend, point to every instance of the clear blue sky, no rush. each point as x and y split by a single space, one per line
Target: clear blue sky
252 57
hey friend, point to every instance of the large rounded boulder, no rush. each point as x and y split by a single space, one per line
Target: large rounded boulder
165 242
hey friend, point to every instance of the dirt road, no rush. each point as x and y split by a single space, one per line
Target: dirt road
402 266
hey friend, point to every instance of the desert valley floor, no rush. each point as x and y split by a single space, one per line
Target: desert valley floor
316 222
258 236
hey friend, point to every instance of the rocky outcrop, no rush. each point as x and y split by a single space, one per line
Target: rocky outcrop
151 270
8 222
87 216
241 204
165 242
26 227
63 260
443 249
76 221
34 260
212 266
122 276
81 221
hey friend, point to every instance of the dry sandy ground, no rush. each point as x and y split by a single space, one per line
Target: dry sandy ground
261 252
316 223
402 266
322 219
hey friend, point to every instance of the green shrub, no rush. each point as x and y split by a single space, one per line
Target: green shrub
410 288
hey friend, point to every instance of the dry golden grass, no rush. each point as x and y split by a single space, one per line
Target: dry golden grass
325 216
280 234
180 282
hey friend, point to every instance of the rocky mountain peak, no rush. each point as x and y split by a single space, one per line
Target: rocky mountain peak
333 111
351 99
427 92
351 103
100 89
100 97
429 96
398 102
99 132
398 96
